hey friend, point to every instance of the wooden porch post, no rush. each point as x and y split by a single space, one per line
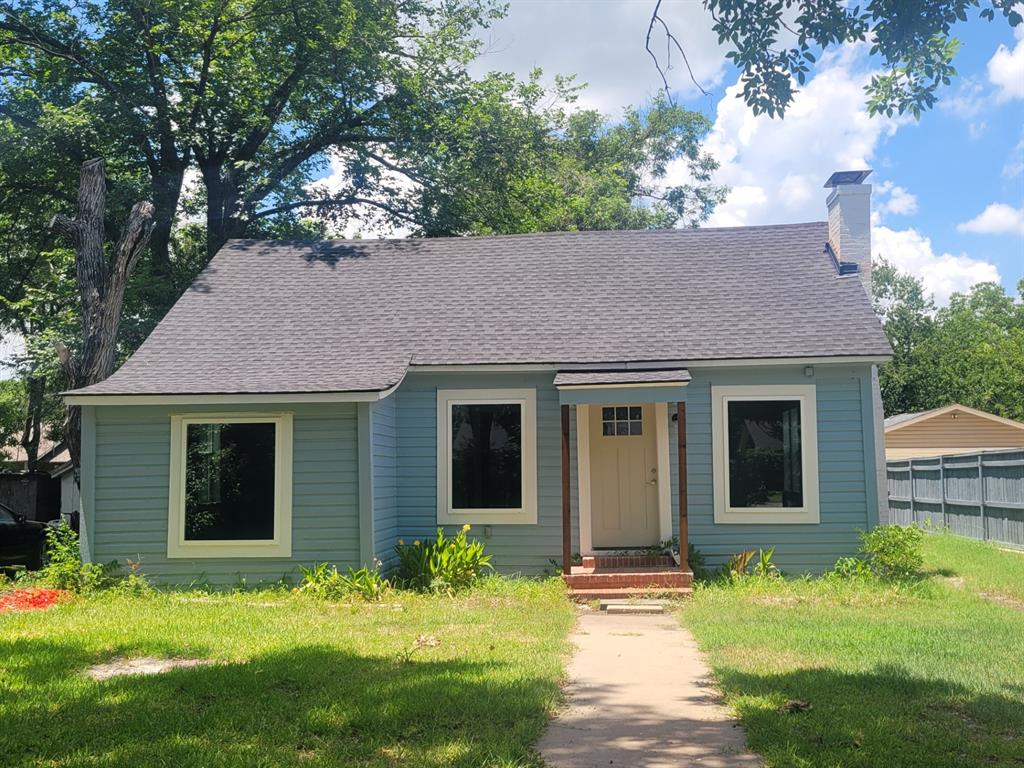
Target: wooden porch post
684 533
566 501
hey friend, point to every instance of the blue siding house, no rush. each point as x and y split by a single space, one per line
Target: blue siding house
571 396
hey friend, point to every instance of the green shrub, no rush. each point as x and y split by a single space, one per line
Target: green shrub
765 568
697 562
65 569
327 583
850 569
738 567
893 551
445 564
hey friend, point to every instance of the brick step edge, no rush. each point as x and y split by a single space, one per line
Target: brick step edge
628 561
632 580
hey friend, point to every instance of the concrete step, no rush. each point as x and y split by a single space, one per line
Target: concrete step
634 606
586 594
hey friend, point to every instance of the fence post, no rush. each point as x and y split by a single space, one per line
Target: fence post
942 482
981 497
913 508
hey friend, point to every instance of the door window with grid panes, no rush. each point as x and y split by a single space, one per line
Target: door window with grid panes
619 420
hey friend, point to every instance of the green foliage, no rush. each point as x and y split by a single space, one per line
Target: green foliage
775 45
738 565
697 561
970 352
894 552
514 157
13 404
325 582
65 569
765 568
445 564
850 569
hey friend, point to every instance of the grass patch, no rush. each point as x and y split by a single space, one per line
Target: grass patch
293 681
979 566
925 674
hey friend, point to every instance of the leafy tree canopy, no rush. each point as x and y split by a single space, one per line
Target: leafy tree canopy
777 42
969 352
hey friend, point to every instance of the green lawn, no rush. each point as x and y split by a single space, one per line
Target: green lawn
296 682
929 675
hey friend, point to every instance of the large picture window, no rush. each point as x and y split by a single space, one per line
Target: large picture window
486 456
765 446
230 486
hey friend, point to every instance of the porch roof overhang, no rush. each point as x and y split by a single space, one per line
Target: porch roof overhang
628 386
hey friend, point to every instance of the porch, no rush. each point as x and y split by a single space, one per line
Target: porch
624 482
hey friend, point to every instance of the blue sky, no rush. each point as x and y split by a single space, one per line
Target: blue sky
949 190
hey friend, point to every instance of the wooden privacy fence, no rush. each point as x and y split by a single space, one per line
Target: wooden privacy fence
980 495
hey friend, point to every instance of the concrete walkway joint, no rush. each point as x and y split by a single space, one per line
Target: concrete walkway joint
640 695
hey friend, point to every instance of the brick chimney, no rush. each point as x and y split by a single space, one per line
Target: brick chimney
849 221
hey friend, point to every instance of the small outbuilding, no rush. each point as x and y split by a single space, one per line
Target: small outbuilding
951 429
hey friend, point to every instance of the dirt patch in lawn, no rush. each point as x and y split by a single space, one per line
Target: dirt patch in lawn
146 665
1003 600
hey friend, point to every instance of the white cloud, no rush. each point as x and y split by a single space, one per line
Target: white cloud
603 43
776 168
971 103
1014 166
894 199
942 274
996 219
1006 69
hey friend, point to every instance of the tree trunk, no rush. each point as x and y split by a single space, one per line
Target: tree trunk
223 207
101 286
36 391
166 194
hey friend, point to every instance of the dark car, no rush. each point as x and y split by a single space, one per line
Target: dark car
22 542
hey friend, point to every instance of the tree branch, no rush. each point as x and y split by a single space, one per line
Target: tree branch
670 40
336 202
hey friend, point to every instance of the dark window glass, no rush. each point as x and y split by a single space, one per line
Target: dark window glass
622 421
764 454
229 482
486 456
6 518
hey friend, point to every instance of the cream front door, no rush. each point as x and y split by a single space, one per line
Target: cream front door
623 476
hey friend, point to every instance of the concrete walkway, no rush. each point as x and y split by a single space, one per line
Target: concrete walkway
639 696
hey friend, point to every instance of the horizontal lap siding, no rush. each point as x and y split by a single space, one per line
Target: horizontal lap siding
515 548
132 468
841 470
385 480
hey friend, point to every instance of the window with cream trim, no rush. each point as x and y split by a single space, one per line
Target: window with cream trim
230 485
486 456
765 446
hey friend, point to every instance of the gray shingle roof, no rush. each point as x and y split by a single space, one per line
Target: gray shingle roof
337 316
899 418
593 378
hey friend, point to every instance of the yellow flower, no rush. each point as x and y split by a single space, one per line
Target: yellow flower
466 527
401 542
416 543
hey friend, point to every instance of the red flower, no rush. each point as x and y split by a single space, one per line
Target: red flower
30 599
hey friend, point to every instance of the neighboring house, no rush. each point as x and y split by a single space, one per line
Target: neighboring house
311 402
15 458
70 497
951 429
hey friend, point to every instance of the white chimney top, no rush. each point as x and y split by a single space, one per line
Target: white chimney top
849 221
